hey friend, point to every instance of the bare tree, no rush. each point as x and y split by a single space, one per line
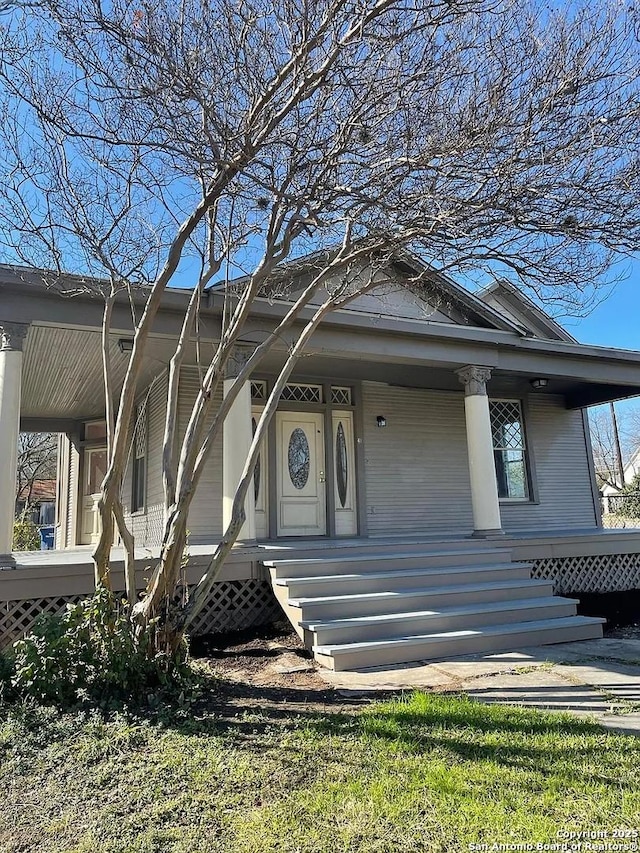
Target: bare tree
189 141
612 452
37 459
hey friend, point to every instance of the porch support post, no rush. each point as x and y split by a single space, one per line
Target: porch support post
11 341
482 470
237 435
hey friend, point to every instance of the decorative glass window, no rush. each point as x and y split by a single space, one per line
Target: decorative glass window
139 479
509 449
341 395
342 467
257 470
299 458
297 392
258 390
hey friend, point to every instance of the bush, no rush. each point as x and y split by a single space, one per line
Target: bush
26 536
630 504
90 655
7 671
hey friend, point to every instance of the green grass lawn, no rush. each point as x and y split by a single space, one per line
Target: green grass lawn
427 773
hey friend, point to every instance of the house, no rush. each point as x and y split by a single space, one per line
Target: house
39 497
426 481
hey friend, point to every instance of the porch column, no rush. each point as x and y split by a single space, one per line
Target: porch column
13 335
237 435
482 469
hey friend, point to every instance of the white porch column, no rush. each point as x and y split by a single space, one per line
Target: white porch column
13 335
237 435
482 469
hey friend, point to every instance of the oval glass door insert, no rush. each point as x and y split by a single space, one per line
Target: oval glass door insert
342 469
299 458
256 470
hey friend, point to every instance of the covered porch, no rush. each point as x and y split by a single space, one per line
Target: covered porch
571 562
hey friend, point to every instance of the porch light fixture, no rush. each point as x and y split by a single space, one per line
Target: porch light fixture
539 384
125 344
381 421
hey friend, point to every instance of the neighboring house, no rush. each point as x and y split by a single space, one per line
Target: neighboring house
461 421
609 491
39 498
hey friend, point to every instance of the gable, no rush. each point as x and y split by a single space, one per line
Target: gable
408 290
517 307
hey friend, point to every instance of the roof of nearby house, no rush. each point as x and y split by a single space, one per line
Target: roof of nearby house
41 490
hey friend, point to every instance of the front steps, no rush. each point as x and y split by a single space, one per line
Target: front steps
368 607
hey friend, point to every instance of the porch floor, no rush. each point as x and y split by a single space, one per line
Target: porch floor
626 540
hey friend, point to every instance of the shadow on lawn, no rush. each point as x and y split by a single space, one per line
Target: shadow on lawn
423 725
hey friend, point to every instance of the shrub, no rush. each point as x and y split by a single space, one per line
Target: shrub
7 671
630 504
92 655
26 536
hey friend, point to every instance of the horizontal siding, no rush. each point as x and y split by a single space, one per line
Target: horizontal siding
205 516
416 468
147 526
561 464
416 471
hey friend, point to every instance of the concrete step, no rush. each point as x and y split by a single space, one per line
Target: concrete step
324 608
362 655
374 562
393 625
394 579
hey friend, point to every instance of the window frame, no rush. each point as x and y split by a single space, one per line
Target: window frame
529 496
139 464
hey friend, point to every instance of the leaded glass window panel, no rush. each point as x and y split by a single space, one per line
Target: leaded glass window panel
299 458
296 392
509 449
256 471
342 469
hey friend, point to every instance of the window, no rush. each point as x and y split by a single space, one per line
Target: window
139 458
509 449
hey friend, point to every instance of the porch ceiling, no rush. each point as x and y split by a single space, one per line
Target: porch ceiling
62 372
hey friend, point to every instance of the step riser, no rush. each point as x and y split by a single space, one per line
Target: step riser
362 659
428 600
436 624
345 586
391 562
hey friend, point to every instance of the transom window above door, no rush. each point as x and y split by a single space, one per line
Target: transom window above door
298 392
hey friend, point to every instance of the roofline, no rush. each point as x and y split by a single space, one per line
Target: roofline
529 305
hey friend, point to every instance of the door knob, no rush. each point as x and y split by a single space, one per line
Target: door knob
322 477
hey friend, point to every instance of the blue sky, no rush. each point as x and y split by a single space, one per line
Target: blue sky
616 321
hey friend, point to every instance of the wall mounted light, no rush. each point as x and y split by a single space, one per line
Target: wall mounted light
125 344
381 421
539 384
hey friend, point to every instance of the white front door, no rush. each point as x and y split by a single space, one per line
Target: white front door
300 474
95 468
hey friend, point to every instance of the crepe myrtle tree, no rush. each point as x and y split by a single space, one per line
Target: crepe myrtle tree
187 143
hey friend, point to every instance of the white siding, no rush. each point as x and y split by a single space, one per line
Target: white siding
416 469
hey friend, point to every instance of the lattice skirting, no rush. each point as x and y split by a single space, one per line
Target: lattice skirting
602 573
233 606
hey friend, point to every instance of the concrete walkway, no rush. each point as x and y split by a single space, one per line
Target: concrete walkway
594 678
